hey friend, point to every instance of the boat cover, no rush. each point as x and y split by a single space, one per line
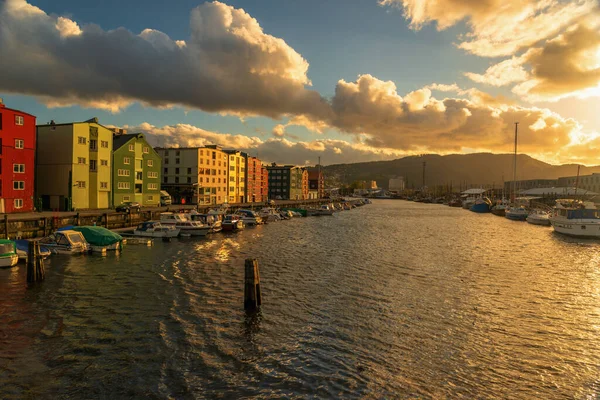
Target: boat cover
7 247
97 235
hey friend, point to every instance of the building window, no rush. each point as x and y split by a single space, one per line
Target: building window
19 120
150 198
232 168
166 160
123 172
152 186
139 175
18 203
93 144
152 174
92 165
189 179
165 179
18 185
231 179
232 158
151 163
123 185
80 160
0 121
104 144
177 153
176 179
81 140
103 185
189 171
165 171
126 198
176 171
177 161
146 150
104 163
19 144
19 168
231 188
80 184
126 160
131 147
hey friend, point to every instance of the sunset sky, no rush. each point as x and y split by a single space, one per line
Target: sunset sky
289 81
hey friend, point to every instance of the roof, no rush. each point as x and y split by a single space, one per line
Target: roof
3 107
89 121
557 191
120 140
474 191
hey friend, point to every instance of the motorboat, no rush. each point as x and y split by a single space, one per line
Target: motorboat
8 253
66 241
481 205
539 217
250 217
325 209
232 222
516 213
576 218
500 208
269 214
23 249
455 203
211 220
155 229
185 225
100 239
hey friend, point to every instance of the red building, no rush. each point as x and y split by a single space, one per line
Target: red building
316 181
255 181
264 189
17 160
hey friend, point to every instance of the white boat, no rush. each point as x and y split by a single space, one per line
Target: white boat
539 217
325 209
576 218
185 225
269 214
213 221
155 229
8 253
66 242
250 217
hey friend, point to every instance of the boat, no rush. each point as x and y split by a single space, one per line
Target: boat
23 249
66 241
155 229
232 222
100 239
8 253
539 217
269 214
481 205
185 225
576 218
250 217
516 213
213 221
455 203
325 209
500 208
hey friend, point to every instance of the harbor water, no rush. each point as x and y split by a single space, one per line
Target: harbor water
391 300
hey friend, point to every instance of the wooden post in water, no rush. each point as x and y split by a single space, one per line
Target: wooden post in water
35 264
252 295
105 216
77 220
6 226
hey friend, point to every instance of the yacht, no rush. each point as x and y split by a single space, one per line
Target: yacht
185 225
539 217
250 217
576 218
155 229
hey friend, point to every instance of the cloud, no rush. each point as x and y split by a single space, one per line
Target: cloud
228 64
279 130
503 73
443 87
496 27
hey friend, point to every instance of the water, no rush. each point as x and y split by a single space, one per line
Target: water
394 299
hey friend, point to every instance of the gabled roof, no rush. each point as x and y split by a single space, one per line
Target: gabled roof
474 191
120 140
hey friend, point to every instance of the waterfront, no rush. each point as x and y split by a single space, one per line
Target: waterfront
393 299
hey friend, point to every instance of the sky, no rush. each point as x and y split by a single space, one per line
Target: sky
292 81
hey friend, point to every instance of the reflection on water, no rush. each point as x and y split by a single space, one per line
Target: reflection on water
394 299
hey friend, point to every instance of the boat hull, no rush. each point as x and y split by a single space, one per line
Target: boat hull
9 261
196 231
515 217
538 221
102 249
581 229
501 212
159 234
480 208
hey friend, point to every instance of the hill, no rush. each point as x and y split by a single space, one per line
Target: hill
457 169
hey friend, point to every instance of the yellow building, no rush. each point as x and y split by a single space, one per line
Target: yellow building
73 163
196 175
236 176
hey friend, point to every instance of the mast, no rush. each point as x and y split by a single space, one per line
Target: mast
577 180
514 194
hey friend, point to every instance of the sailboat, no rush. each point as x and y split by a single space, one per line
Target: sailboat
516 212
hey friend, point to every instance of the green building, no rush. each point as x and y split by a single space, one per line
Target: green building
136 170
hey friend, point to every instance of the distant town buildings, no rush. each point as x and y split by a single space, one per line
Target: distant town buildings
316 183
74 163
529 184
285 182
256 181
17 160
236 176
396 184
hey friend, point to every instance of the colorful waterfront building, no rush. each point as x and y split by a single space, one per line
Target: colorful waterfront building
17 160
195 175
136 170
264 184
255 175
74 166
236 176
316 183
285 182
304 183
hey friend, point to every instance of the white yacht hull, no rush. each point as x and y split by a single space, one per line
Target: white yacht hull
9 261
535 220
196 231
576 228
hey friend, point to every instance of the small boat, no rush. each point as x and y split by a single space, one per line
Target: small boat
8 253
232 222
66 241
100 239
23 249
185 225
481 205
515 213
250 217
455 203
269 214
325 209
539 217
500 208
155 229
576 218
213 221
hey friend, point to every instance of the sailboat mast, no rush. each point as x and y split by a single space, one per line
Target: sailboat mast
577 180
515 164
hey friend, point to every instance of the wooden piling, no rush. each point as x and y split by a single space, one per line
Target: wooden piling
35 264
77 220
105 217
6 226
252 294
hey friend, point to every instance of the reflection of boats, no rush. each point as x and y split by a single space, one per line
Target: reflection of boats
576 218
250 217
539 217
155 229
185 225
232 222
23 249
8 253
100 239
66 241
481 205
